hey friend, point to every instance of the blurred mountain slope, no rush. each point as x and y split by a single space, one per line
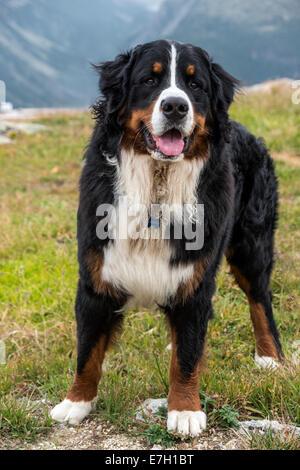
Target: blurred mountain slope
255 40
46 46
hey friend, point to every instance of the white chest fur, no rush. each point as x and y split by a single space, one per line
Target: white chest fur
142 267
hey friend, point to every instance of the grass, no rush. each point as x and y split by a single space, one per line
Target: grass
270 441
38 275
21 419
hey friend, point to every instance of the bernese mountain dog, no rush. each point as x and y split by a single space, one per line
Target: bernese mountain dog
163 140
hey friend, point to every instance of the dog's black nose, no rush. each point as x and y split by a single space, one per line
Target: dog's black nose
174 107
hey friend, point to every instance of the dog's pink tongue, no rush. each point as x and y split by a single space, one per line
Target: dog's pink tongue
170 143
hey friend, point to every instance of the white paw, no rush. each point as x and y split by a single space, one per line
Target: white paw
187 423
72 412
266 362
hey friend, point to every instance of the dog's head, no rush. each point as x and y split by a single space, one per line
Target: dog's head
167 99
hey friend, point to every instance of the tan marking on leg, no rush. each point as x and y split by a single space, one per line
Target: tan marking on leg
265 345
188 287
85 384
183 392
241 280
190 70
157 67
95 266
264 341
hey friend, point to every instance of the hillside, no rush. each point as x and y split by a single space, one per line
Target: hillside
255 40
46 47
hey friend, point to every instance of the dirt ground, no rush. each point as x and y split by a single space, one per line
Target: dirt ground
95 435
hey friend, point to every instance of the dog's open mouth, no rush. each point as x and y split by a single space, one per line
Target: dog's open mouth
168 146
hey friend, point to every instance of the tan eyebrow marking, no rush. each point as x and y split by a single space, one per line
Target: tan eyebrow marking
190 70
157 67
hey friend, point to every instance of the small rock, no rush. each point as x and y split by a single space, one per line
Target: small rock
25 127
6 127
150 407
296 354
296 358
5 140
267 424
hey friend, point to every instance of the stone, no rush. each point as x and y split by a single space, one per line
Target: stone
27 128
5 140
267 424
149 407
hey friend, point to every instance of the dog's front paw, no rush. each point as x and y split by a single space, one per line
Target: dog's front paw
187 423
71 412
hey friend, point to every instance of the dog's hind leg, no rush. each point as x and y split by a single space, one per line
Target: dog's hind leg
250 256
97 320
250 252
256 286
268 349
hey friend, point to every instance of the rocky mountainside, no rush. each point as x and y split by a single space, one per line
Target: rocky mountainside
46 47
255 41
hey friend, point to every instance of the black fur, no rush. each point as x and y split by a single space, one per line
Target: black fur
237 187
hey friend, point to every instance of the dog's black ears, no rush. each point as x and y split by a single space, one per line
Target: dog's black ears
113 85
223 87
113 80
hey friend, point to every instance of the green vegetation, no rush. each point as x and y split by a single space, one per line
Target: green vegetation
227 417
38 276
272 116
158 434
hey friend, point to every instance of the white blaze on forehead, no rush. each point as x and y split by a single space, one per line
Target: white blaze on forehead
159 121
173 67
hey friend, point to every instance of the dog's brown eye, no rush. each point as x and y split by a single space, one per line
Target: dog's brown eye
150 81
194 85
